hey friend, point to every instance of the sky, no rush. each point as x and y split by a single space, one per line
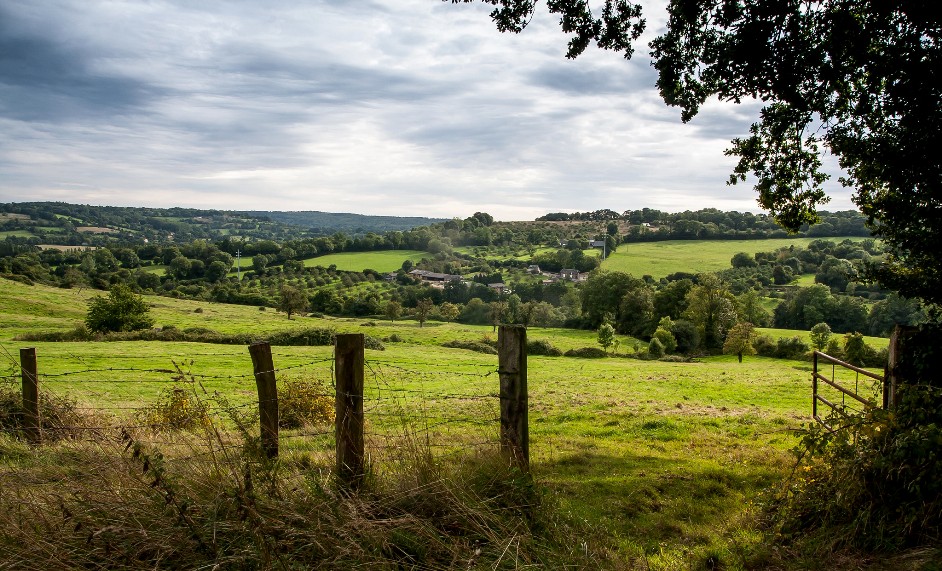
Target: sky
394 107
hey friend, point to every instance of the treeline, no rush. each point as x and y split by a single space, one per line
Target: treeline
649 224
67 224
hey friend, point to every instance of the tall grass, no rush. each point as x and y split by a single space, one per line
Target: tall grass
208 498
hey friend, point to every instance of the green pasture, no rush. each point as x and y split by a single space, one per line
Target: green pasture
16 234
804 280
659 462
159 269
659 259
875 342
383 261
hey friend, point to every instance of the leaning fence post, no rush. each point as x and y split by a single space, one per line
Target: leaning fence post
31 418
512 367
264 369
349 362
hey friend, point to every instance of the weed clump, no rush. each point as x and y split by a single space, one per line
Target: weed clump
59 416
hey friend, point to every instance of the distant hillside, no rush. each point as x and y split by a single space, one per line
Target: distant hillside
330 222
64 224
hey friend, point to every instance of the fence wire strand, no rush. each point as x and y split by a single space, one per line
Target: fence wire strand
403 403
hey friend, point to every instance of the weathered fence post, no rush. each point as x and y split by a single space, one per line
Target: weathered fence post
512 367
264 369
891 378
348 363
31 418
814 386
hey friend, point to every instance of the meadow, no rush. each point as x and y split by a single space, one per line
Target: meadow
382 261
659 259
658 465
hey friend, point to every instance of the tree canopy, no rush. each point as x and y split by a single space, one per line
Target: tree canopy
857 78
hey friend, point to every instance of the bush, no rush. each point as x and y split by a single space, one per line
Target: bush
177 408
791 348
764 346
586 353
471 346
655 348
542 347
311 336
122 310
303 402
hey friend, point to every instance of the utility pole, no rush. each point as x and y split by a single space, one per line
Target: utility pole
239 264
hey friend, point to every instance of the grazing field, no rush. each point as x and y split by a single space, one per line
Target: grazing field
659 465
16 234
659 259
875 342
383 261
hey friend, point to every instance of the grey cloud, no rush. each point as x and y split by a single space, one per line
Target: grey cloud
573 78
41 80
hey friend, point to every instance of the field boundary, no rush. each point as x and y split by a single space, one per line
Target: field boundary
348 371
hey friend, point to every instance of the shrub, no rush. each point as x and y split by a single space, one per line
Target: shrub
791 348
177 408
122 310
311 336
373 343
542 347
302 402
586 353
764 346
655 348
856 350
471 346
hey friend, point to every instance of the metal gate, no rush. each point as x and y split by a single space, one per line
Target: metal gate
858 402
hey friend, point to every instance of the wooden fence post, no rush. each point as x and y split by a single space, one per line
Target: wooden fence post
348 363
30 376
891 378
512 367
264 369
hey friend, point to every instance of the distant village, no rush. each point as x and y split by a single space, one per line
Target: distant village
438 280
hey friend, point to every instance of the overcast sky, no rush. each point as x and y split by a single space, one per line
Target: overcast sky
400 107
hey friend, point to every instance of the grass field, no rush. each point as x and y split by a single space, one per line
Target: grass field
384 261
659 463
659 259
16 234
